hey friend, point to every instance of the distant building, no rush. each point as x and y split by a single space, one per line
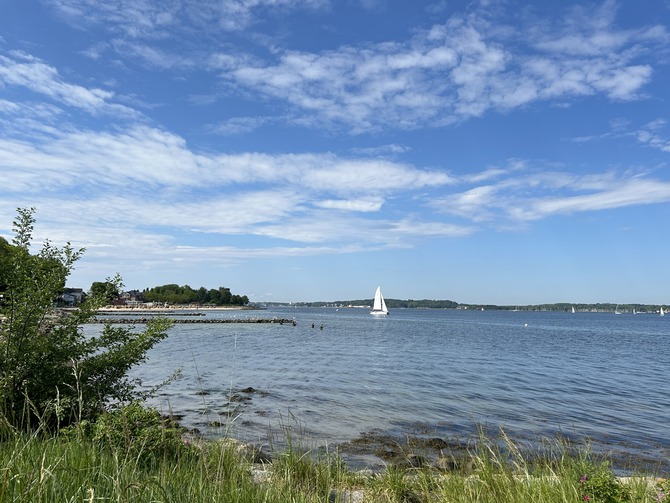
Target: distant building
71 296
131 298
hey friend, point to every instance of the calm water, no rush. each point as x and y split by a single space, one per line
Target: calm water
591 375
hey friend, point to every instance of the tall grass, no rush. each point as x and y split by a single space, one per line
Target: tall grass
58 469
36 468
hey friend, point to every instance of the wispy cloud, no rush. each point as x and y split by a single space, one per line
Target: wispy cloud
26 71
145 178
534 195
142 184
241 125
469 66
361 205
146 19
632 192
455 71
391 149
654 134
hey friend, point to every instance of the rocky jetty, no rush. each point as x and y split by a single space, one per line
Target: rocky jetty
145 319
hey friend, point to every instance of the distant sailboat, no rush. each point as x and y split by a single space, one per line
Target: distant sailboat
573 309
616 309
662 312
379 306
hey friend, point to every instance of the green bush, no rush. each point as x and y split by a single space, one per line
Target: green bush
598 484
140 433
51 374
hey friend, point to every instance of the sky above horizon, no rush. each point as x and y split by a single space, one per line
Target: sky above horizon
493 151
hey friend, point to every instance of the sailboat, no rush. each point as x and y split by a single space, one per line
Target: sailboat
379 306
573 309
662 312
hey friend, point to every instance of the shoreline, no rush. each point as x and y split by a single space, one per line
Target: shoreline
177 307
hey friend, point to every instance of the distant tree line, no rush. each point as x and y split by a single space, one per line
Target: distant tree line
450 304
423 303
390 303
175 294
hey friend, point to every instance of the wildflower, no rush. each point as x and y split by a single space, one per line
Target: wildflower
583 479
586 497
660 496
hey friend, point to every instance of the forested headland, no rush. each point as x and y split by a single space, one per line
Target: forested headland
175 294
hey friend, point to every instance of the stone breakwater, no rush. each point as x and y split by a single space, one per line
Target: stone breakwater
140 320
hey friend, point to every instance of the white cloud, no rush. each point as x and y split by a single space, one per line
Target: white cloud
145 178
477 204
141 158
589 30
31 73
382 150
654 134
651 135
467 67
241 125
462 69
148 178
147 19
532 195
360 205
632 192
413 227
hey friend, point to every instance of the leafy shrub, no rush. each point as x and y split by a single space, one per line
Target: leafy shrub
140 433
663 490
51 374
598 484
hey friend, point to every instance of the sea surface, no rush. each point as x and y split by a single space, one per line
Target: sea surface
342 373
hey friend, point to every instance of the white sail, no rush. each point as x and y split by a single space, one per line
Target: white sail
573 309
662 312
379 306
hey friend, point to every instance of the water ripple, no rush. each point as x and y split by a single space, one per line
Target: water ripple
592 374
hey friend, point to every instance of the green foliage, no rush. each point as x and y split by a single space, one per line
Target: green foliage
663 490
105 290
175 294
140 433
424 303
598 484
51 374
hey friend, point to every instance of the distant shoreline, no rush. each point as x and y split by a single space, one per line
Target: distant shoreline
164 309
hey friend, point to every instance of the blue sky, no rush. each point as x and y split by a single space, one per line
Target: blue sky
486 152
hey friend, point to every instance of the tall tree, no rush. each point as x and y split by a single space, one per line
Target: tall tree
105 290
